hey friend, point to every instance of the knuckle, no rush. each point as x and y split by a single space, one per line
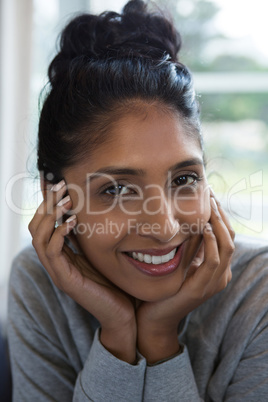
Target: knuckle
229 249
214 261
218 217
223 285
36 242
225 280
232 248
30 227
51 253
232 233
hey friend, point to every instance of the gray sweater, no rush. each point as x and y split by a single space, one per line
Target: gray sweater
56 354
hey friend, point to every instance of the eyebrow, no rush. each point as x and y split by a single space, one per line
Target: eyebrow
114 170
190 162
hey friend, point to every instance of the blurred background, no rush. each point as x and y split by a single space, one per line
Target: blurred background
224 45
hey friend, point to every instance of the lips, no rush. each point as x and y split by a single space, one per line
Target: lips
156 262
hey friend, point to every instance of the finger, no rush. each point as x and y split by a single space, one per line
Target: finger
213 274
46 227
211 259
226 247
230 274
222 233
225 278
52 197
55 246
223 214
73 240
200 253
225 219
196 261
53 259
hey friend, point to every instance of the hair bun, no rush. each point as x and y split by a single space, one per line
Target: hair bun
151 33
135 32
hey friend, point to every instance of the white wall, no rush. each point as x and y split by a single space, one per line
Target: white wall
98 6
15 56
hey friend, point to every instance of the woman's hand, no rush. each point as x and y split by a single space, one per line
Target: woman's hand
73 274
157 322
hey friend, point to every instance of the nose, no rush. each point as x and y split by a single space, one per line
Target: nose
158 219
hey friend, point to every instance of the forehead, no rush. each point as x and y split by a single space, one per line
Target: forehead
147 138
151 124
151 132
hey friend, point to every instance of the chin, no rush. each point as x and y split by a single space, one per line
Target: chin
157 295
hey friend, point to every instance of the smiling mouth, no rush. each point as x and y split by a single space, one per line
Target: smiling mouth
153 259
156 265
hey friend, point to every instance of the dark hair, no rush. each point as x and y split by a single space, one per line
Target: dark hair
104 65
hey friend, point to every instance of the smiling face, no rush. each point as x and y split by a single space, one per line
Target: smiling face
141 199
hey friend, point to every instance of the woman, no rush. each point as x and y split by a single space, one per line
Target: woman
128 297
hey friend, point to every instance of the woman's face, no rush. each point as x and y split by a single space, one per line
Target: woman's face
141 201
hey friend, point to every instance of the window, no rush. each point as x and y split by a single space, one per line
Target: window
224 44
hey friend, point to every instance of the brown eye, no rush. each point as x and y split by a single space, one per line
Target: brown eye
185 180
118 190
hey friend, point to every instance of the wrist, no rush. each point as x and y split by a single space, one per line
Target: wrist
159 345
121 342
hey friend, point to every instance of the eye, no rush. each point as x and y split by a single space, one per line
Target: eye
186 180
118 190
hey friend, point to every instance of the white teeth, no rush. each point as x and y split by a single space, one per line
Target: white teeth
147 258
165 258
154 259
140 257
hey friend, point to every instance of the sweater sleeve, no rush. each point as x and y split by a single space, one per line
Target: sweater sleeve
172 381
240 372
106 378
250 382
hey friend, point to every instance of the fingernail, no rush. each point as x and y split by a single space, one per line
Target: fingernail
214 204
212 192
72 218
63 201
58 186
208 227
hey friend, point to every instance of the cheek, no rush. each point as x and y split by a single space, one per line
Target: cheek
96 244
99 234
